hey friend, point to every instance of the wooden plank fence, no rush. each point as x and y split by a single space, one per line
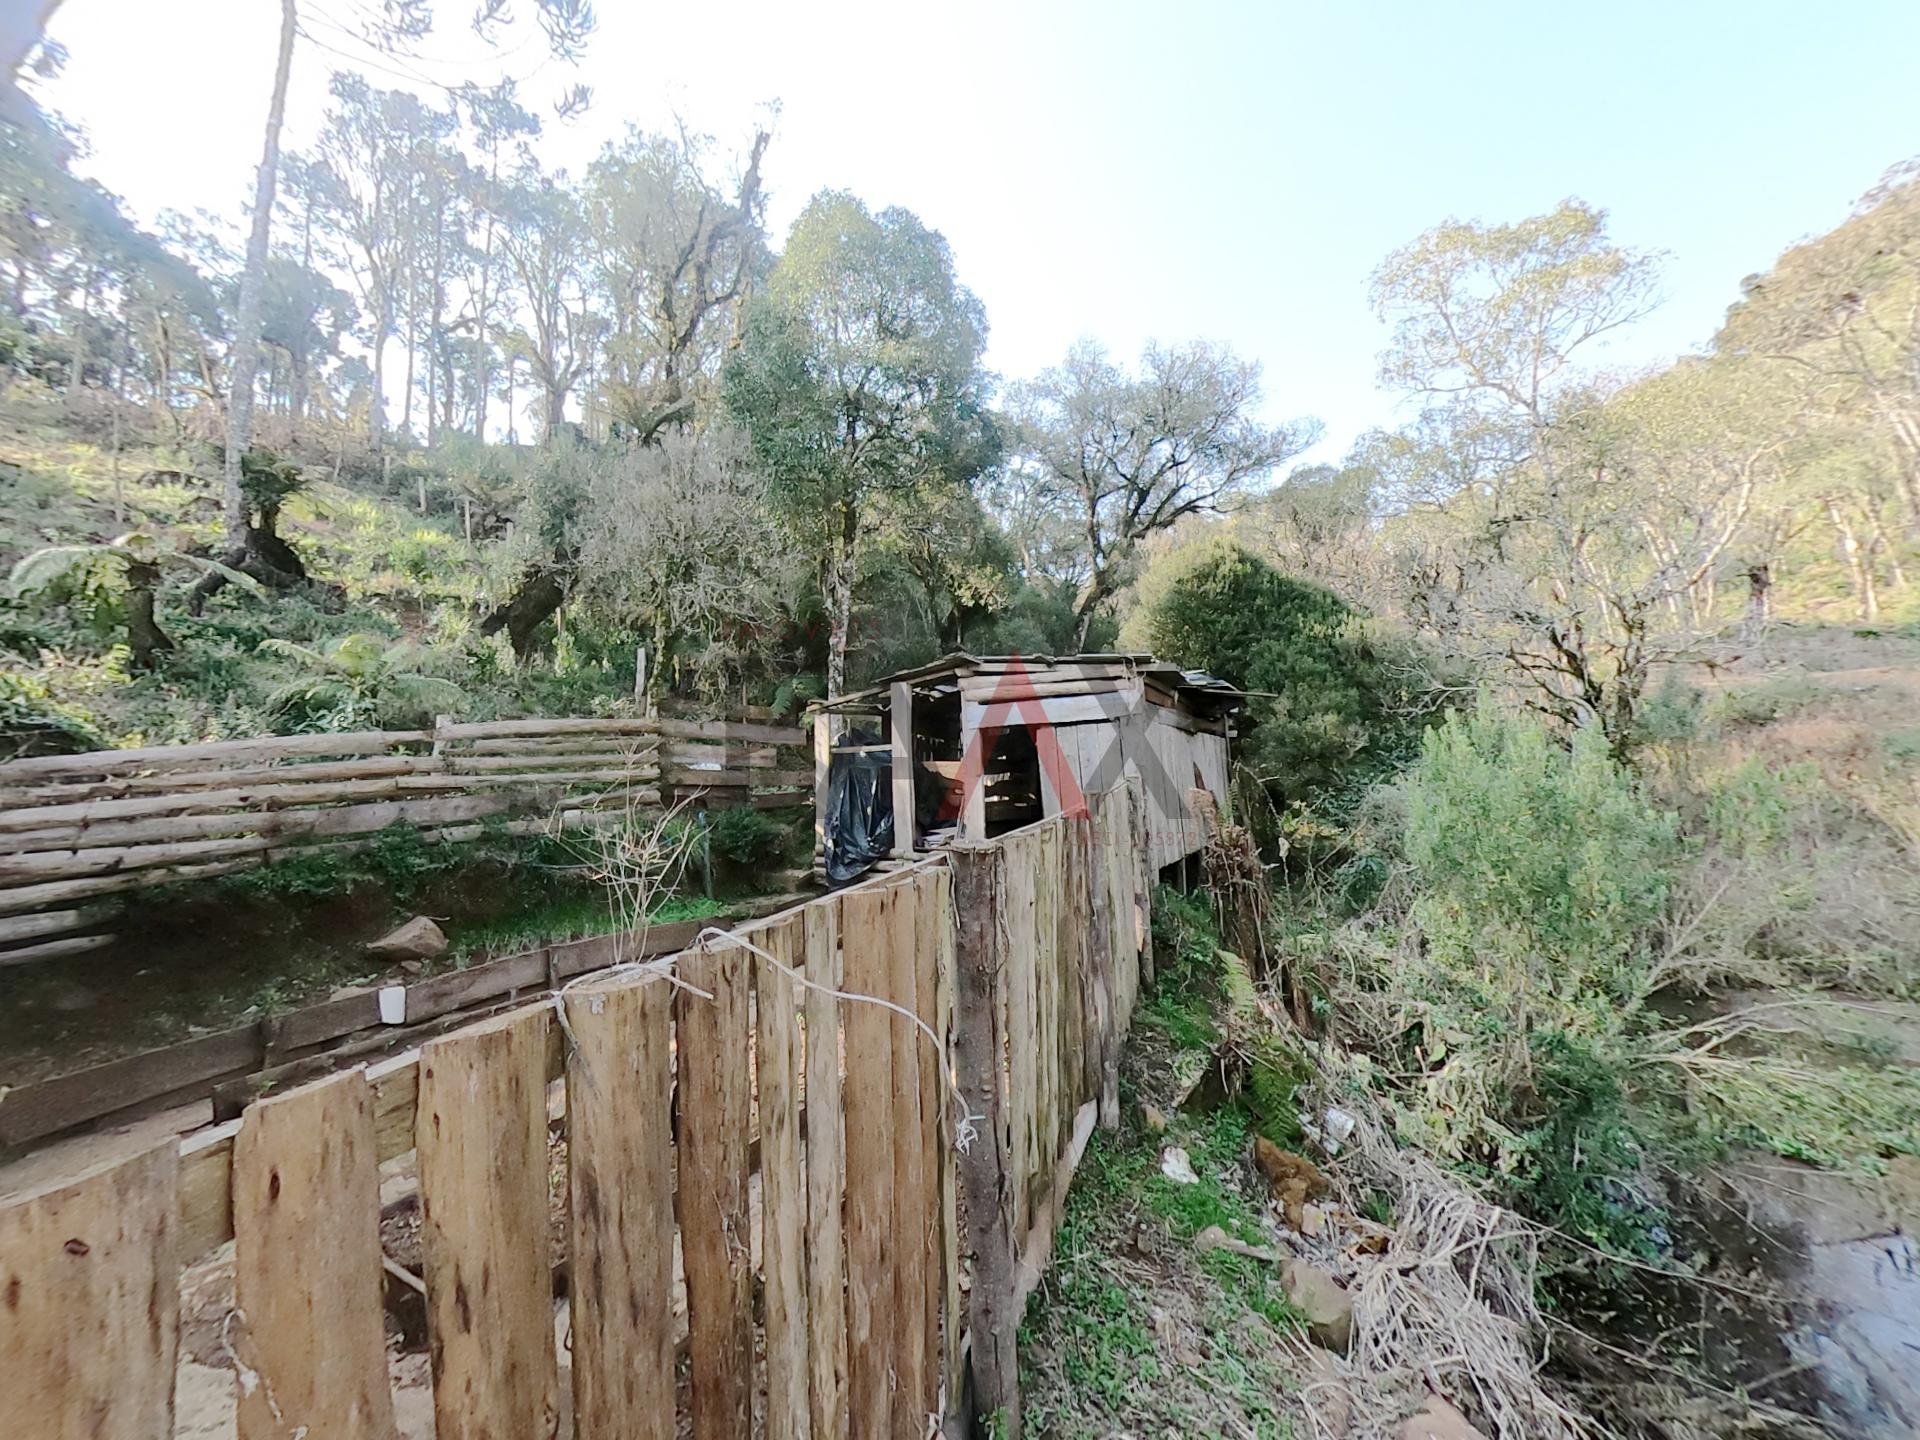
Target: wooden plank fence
746 1122
77 828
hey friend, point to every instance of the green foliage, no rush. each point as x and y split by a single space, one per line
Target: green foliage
746 837
1540 850
1327 715
358 682
396 859
33 721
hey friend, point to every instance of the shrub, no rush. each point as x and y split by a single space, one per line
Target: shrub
1543 850
747 838
1325 715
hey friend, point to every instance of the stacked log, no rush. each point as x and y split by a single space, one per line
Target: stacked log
77 828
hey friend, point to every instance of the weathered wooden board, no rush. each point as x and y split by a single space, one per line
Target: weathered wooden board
929 919
715 1109
911 1193
865 932
481 1130
1022 1031
1056 710
945 922
311 1329
783 1183
620 1163
90 1319
826 1178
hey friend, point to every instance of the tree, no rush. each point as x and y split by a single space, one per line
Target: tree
858 373
1129 456
253 285
137 561
673 256
496 119
1845 310
680 546
370 147
544 236
1534 553
1324 710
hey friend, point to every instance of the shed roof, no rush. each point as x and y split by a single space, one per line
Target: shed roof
950 668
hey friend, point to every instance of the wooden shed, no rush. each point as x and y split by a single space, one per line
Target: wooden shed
971 746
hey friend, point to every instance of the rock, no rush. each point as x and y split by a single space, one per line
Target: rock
1175 1165
418 939
1152 1120
1318 1297
1293 1178
1214 1238
1437 1420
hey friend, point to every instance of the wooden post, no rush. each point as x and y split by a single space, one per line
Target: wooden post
974 763
900 728
1140 825
986 1179
640 677
822 758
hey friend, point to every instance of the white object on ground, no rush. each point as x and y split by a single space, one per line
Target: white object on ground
393 1004
1175 1165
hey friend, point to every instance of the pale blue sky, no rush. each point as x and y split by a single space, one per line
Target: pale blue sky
1128 171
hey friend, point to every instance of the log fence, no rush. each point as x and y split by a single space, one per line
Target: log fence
771 1196
77 828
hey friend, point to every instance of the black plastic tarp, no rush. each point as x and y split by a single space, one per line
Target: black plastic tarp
859 806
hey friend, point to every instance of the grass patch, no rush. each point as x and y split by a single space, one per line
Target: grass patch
1133 1330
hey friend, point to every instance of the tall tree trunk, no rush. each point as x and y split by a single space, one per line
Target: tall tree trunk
376 413
1759 604
145 638
253 285
839 598
1859 564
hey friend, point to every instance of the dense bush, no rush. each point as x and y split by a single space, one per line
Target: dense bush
1325 713
745 837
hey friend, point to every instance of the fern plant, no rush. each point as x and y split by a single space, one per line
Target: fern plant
355 682
126 569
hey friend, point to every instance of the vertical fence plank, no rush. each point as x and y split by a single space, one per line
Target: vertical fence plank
928 918
1102 1050
826 1179
989 1179
910 1210
90 1324
1046 970
620 1173
1017 915
1075 934
712 1199
307 1279
864 936
783 1185
481 1130
949 1217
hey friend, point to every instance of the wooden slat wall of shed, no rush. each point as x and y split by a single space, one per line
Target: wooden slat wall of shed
91 1323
